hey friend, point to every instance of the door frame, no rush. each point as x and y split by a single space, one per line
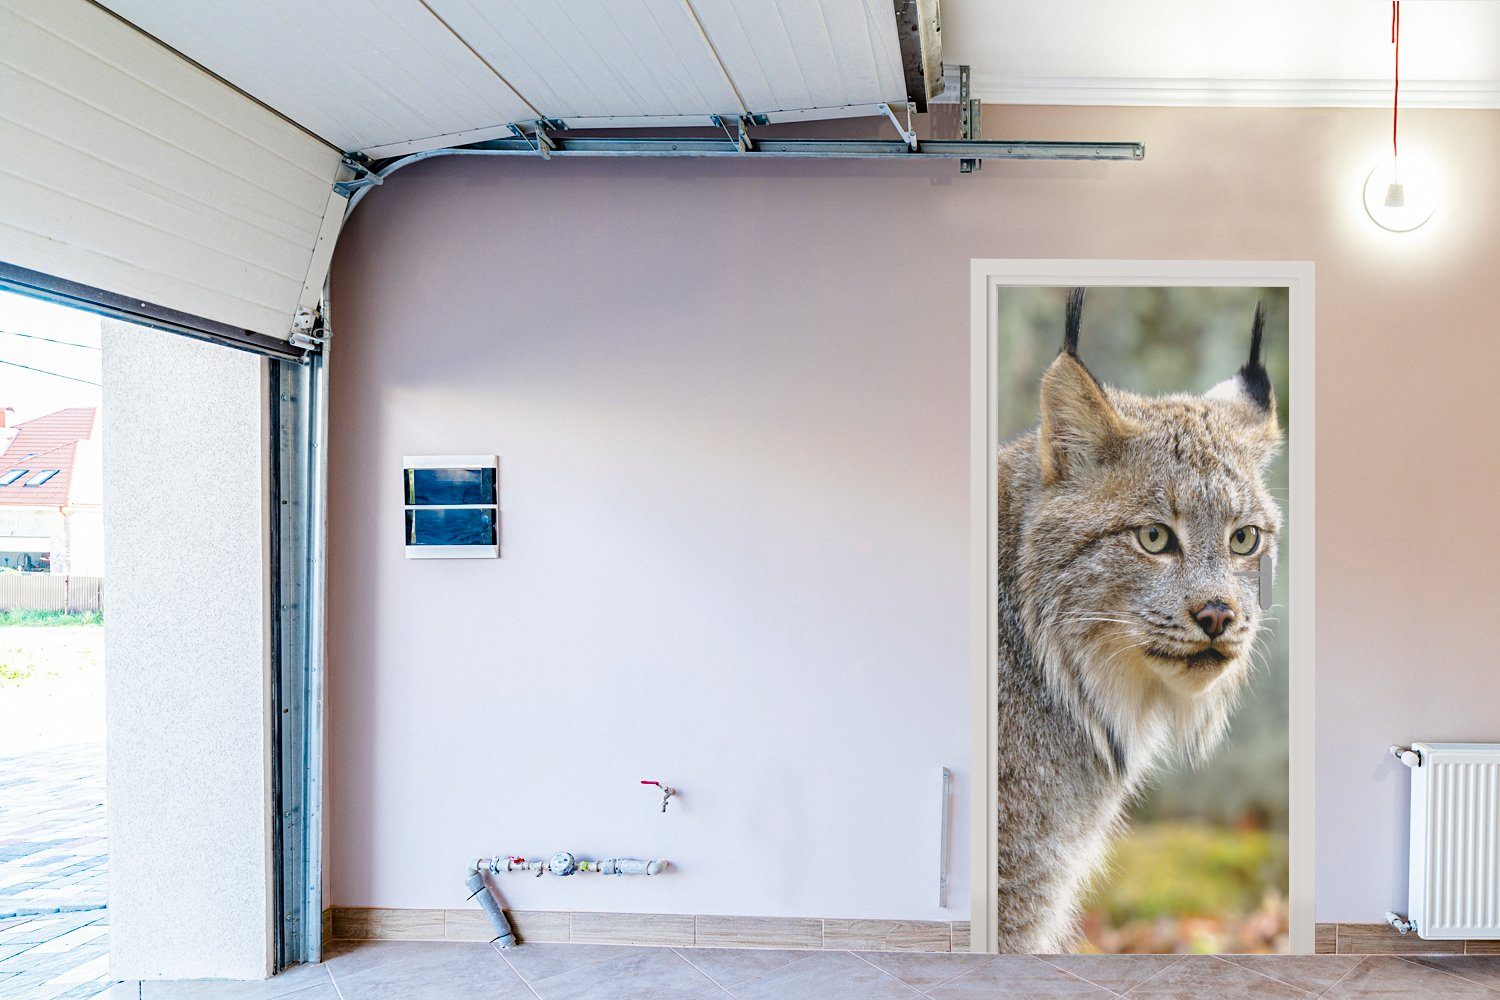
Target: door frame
986 275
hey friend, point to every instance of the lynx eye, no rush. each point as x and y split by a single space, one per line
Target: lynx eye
1155 538
1245 540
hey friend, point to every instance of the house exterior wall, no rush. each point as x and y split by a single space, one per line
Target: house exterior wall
84 514
23 528
83 541
63 517
74 535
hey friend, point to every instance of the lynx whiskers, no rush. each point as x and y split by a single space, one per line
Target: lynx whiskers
1127 627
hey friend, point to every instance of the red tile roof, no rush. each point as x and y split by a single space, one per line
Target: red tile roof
49 442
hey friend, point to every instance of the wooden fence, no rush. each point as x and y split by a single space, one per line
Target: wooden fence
51 592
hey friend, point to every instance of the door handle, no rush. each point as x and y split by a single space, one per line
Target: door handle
1264 578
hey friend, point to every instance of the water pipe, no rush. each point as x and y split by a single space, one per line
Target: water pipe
562 864
504 936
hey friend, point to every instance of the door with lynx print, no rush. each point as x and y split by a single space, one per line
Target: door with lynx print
1142 669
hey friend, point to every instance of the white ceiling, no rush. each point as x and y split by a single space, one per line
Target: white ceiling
1225 52
388 76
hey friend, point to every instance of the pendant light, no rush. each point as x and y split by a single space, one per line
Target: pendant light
1400 193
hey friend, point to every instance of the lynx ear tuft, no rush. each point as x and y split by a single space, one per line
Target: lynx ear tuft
1080 426
1254 381
1251 385
1074 321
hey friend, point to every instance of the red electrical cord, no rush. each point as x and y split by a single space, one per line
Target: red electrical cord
1396 88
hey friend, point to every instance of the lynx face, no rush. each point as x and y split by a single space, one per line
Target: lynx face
1149 511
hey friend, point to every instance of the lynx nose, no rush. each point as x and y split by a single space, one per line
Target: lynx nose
1213 618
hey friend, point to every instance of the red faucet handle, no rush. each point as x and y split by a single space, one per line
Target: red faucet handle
656 783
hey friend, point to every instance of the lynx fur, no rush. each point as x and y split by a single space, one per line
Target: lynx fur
1107 661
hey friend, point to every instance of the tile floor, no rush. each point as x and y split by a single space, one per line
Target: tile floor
54 928
436 970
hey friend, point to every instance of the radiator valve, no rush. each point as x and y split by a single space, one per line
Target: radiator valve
1407 756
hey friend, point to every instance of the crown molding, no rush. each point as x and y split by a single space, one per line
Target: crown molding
995 88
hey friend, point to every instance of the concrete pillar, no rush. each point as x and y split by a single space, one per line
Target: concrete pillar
187 657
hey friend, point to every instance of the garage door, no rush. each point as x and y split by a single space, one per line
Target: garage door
130 170
389 77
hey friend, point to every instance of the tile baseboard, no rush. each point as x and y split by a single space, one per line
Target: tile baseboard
674 930
1383 939
807 933
379 923
537 926
761 932
669 929
888 935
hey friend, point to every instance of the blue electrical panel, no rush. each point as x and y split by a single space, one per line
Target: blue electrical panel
452 506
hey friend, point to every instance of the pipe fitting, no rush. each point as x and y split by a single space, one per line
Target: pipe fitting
1406 755
505 937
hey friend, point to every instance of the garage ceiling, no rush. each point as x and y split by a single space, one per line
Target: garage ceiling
1328 53
392 76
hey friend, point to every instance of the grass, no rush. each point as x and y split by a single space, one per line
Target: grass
15 668
1177 886
1169 869
43 655
29 618
27 662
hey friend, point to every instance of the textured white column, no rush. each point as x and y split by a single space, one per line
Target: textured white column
187 658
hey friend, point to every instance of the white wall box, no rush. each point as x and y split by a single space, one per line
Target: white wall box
452 506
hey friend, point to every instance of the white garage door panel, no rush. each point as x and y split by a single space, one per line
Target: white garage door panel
131 170
807 53
168 236
356 72
170 198
596 58
388 77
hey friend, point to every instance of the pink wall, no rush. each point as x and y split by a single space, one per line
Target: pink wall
730 401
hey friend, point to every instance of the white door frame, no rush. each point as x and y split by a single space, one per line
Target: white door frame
986 277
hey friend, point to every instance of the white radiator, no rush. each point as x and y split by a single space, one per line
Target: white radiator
1455 840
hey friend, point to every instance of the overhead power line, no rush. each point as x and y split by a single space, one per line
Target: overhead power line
50 340
43 371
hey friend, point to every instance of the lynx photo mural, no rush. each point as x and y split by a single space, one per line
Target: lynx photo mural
1142 719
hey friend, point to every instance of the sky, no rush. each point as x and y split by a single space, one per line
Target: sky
31 393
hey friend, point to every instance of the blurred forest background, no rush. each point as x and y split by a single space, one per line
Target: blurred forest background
1204 866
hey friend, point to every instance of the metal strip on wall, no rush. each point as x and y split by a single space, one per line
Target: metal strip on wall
298 415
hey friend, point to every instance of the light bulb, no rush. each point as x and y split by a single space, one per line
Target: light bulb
1400 193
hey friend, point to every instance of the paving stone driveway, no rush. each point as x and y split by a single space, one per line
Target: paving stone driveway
54 928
